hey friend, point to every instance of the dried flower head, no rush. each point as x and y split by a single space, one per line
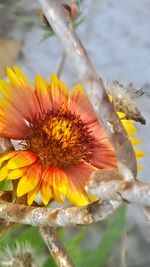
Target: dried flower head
125 100
21 255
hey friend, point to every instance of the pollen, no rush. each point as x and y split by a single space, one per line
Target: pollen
60 139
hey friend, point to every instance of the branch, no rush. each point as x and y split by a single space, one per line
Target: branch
91 81
72 216
109 184
55 247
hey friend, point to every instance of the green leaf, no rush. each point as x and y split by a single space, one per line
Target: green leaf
6 185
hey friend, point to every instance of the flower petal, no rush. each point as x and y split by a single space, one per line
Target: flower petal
16 173
80 104
22 159
139 167
59 92
11 121
59 184
17 77
32 195
3 173
45 188
103 154
139 153
42 92
135 141
78 176
103 157
129 127
121 115
22 92
7 156
30 180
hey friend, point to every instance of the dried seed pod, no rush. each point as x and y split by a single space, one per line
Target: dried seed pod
21 255
124 99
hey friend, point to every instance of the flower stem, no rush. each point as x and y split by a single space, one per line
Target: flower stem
61 66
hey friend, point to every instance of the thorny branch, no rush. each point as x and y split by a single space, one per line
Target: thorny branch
91 81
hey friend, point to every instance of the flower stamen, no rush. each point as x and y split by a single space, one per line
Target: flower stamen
60 139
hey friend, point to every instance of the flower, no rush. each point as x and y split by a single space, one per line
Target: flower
128 125
61 140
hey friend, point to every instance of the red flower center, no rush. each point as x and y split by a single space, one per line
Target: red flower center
60 139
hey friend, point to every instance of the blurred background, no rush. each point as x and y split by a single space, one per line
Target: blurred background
116 35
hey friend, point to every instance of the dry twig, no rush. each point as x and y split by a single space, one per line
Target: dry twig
56 217
55 247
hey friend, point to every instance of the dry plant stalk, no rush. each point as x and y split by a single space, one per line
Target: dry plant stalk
58 217
55 247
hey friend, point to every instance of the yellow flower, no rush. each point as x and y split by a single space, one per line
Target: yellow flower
61 140
131 130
